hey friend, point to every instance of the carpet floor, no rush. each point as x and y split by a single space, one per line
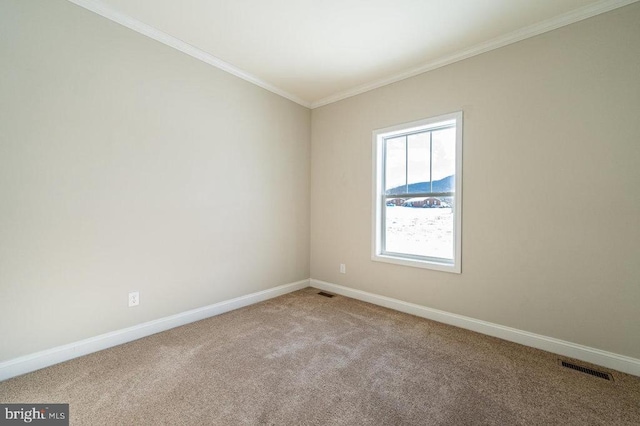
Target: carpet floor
305 359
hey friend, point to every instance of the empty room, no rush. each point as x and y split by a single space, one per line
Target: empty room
297 212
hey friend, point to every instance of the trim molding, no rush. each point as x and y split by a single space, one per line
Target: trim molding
611 360
105 11
510 38
36 361
580 14
32 362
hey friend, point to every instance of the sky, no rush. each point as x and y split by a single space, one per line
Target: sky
444 148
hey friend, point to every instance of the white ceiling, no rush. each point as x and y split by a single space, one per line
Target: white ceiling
318 51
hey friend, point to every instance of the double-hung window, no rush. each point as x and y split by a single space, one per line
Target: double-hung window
417 196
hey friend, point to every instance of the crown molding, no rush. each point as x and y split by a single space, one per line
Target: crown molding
513 37
577 15
105 11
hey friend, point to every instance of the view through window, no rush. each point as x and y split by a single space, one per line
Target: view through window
417 193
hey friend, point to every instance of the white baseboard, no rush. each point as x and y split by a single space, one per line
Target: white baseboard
28 363
46 358
584 353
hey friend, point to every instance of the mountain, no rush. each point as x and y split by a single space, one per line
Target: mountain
447 184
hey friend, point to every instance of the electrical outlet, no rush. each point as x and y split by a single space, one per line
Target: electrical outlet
343 268
134 298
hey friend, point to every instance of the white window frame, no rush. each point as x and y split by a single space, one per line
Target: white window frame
379 198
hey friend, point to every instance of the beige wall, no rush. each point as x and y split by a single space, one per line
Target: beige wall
551 219
127 165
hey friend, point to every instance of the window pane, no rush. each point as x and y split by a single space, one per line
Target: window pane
396 165
420 231
444 160
423 226
418 164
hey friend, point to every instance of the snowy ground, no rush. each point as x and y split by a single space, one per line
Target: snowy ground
420 231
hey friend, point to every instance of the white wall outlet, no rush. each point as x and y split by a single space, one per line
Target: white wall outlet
134 298
343 268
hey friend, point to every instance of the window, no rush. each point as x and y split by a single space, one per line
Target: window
417 193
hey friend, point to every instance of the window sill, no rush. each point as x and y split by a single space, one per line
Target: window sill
415 263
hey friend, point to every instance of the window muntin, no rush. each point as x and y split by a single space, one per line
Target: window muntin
417 193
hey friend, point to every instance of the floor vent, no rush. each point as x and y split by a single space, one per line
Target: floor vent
586 370
322 293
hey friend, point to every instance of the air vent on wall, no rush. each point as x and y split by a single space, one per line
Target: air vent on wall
322 293
586 370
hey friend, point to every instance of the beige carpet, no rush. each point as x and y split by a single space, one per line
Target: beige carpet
303 359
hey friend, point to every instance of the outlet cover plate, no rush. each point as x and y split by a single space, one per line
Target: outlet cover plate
134 298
